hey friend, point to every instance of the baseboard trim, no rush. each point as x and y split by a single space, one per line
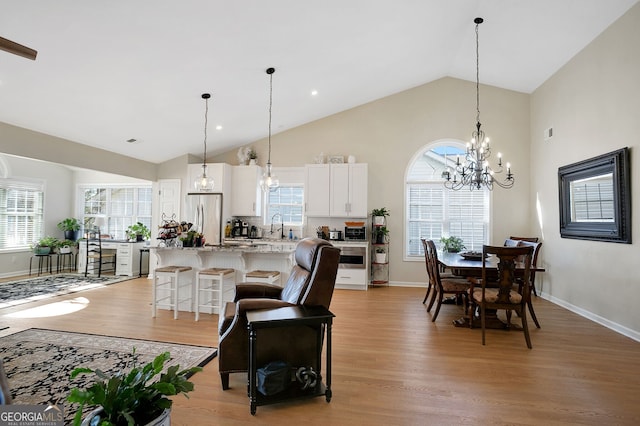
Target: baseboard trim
625 331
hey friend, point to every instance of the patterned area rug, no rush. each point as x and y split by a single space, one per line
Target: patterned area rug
38 362
14 293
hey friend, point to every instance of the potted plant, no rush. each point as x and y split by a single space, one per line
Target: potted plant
70 226
380 233
138 232
379 215
45 245
65 246
452 244
253 156
381 255
132 397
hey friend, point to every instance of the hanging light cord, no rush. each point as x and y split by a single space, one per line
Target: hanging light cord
270 71
206 97
478 22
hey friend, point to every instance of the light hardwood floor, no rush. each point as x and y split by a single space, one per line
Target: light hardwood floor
392 365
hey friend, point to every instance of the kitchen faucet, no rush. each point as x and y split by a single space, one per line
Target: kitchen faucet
281 225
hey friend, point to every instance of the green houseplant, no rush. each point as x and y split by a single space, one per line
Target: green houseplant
380 233
452 244
70 226
45 245
131 398
379 215
138 231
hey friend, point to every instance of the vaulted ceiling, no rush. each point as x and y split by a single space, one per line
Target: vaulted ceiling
110 71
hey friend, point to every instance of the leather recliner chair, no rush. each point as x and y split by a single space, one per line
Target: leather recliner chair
310 283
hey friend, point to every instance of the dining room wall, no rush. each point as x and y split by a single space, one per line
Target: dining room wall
592 104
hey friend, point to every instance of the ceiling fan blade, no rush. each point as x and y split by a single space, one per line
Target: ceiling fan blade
17 49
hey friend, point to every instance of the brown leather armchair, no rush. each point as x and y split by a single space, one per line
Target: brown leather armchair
310 283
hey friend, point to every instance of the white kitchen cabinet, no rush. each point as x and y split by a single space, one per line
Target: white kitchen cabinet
348 193
317 190
127 256
246 195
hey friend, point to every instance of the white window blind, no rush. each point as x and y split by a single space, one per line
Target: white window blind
434 212
286 200
21 213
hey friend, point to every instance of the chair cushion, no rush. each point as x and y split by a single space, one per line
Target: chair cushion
491 295
455 285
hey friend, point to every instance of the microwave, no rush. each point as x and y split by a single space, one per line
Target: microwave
355 233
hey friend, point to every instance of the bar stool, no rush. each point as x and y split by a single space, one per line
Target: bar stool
213 293
177 277
269 277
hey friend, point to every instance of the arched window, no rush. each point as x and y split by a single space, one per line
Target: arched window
432 211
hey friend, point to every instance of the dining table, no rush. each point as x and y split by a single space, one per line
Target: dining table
470 265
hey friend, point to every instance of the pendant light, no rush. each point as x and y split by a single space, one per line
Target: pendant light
204 183
269 181
474 172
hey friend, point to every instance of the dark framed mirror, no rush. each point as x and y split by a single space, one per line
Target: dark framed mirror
595 198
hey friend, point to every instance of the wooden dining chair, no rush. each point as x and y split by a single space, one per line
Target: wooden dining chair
503 293
458 287
534 262
443 275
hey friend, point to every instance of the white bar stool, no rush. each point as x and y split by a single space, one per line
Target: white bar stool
269 277
213 293
177 277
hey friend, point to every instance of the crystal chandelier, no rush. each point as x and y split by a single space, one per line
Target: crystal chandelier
204 183
474 172
269 181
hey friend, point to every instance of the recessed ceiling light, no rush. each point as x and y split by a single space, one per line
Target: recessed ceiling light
132 140
218 127
314 92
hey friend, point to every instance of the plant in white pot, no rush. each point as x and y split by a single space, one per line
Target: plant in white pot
132 398
381 255
379 215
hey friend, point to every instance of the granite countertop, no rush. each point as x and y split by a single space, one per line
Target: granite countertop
232 248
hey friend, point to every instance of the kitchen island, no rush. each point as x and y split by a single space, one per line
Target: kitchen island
243 258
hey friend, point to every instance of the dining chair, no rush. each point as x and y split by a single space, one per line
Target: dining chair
534 262
514 242
96 256
430 285
503 293
441 286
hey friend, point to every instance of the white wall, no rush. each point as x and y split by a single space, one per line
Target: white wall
593 105
58 204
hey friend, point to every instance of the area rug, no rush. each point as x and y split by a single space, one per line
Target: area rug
14 293
38 362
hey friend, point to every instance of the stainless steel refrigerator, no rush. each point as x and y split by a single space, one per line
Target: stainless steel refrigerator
204 210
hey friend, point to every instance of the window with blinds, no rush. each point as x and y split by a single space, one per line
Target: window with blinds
21 213
114 209
286 200
434 212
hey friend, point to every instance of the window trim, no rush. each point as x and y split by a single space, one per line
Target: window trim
30 184
267 218
405 231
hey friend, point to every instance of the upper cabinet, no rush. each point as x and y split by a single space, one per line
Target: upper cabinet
246 197
316 190
338 190
348 190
